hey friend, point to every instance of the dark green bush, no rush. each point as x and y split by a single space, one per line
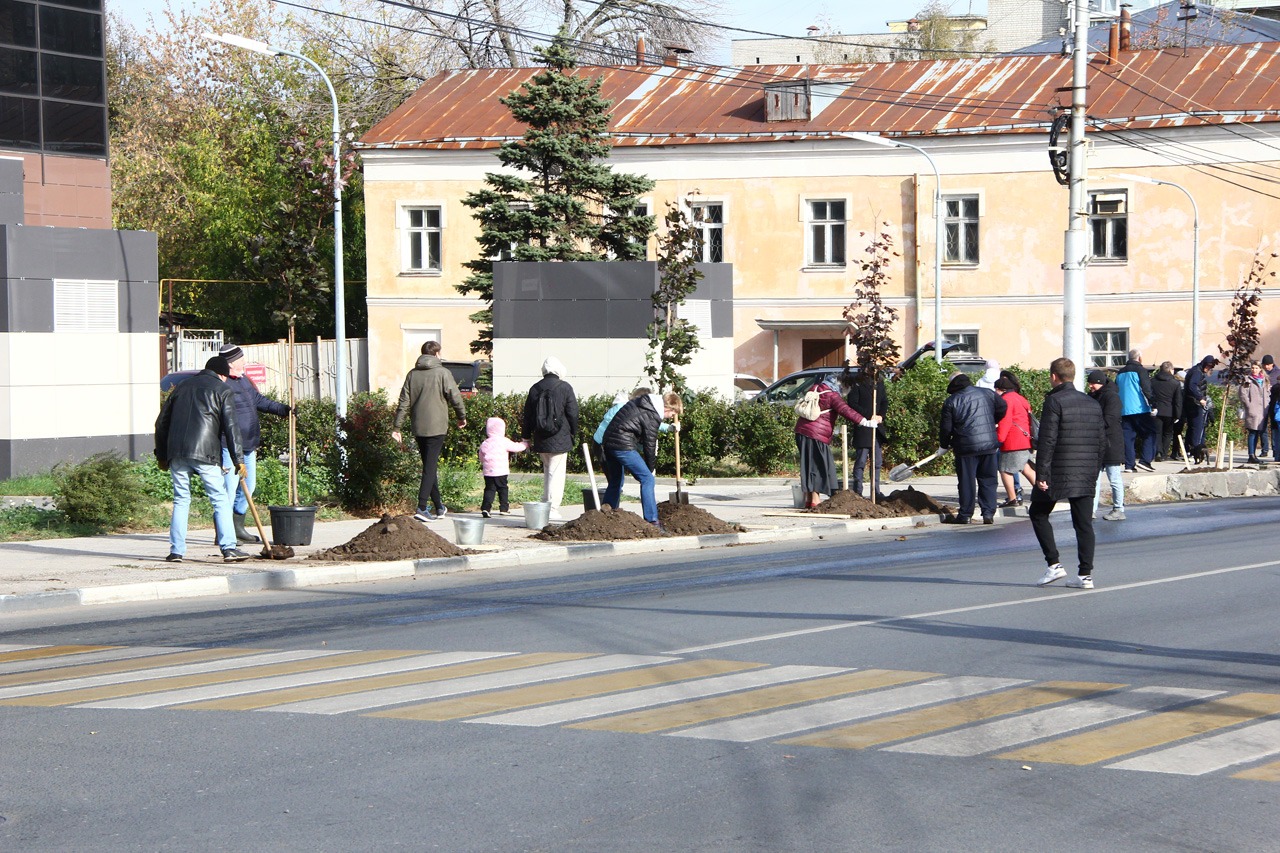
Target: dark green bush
763 437
106 490
914 414
373 472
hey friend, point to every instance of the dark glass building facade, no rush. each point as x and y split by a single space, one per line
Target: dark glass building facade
53 82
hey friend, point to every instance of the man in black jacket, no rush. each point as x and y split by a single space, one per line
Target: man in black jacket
248 403
1104 391
1195 405
551 441
1073 442
859 399
968 429
194 422
631 444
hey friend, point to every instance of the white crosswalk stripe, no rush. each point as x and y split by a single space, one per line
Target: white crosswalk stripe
279 682
790 721
1239 746
163 672
1007 733
582 709
470 684
104 656
17 647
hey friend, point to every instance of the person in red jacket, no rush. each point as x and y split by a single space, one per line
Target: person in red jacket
1014 434
813 440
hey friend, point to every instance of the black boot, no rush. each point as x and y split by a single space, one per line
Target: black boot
243 536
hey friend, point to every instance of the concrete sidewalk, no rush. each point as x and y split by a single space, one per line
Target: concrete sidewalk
55 573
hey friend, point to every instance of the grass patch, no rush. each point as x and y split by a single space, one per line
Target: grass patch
24 523
31 485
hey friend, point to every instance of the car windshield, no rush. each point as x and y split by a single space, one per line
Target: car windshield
794 387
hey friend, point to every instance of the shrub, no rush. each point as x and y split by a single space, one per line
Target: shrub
914 414
373 472
106 490
458 485
763 437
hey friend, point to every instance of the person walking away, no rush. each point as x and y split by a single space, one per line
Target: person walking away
1072 445
549 424
1271 373
631 445
1136 420
1273 419
859 399
495 464
248 403
990 375
968 429
1014 434
1195 405
1166 398
1254 397
1103 390
194 424
813 439
428 393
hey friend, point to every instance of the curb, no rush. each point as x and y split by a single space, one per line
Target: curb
308 576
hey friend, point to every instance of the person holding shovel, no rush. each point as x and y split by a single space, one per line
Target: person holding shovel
248 403
631 444
813 437
861 393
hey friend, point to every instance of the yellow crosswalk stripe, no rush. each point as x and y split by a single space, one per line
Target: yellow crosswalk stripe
927 720
719 707
577 688
286 696
49 652
1265 773
130 665
158 685
1151 731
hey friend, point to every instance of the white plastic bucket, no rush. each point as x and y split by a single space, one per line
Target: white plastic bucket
537 514
468 531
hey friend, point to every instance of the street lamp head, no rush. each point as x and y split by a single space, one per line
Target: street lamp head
248 44
1142 179
873 138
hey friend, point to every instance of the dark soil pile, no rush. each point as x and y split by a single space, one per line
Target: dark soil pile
899 503
607 525
690 520
397 537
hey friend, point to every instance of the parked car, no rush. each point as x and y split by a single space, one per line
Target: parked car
473 377
746 386
792 387
172 380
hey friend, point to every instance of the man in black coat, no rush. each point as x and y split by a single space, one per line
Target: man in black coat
1073 443
1195 405
859 399
968 429
1104 391
249 401
551 445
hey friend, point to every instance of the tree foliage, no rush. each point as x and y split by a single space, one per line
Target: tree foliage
938 36
871 322
672 339
560 200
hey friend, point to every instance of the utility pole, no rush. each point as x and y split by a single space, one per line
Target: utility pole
1077 242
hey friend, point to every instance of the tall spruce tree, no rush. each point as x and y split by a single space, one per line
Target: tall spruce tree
564 202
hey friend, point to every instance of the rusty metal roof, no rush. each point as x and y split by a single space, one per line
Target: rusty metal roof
670 105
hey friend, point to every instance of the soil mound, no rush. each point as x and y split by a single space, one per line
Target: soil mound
690 520
607 525
398 537
900 503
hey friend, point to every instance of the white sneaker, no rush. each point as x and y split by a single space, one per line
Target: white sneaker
1080 582
554 515
1051 574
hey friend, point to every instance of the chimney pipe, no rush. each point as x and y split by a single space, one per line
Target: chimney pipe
640 57
1113 44
674 52
1125 24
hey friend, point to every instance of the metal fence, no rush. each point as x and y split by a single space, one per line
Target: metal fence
314 370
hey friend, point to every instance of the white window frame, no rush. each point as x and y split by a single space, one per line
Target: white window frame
407 231
647 204
959 222
961 334
1109 220
1112 356
705 229
812 225
86 306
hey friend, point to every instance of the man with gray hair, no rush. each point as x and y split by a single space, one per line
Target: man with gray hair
549 424
1137 419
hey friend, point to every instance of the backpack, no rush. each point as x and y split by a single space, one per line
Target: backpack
546 414
810 408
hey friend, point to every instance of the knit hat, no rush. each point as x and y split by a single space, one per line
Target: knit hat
218 365
1097 377
1209 361
231 352
553 366
1266 359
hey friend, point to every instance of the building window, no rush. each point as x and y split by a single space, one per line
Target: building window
422 227
640 209
1108 347
968 341
960 220
826 233
708 218
1109 224
86 306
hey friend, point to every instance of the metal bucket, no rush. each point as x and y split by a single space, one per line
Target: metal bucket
468 531
798 497
537 514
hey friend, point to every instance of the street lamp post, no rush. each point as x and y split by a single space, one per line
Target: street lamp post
887 142
339 295
1195 257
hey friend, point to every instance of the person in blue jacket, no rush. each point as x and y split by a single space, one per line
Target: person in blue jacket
248 403
1137 414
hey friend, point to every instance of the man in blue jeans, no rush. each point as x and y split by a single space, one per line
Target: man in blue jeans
631 444
248 403
194 422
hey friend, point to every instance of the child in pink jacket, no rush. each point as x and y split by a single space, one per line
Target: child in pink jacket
495 464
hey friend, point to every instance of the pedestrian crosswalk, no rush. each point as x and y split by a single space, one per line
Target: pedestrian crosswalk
1149 729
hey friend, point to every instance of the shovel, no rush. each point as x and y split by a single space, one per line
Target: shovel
679 496
902 472
272 552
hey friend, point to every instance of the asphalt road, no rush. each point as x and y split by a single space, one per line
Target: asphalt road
881 692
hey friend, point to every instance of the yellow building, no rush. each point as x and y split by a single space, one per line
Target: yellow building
785 197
